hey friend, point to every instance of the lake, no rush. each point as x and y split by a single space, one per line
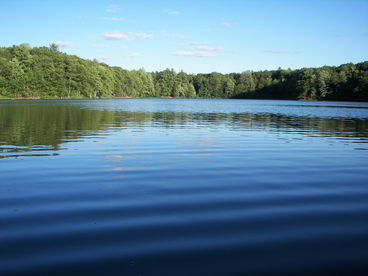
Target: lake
183 187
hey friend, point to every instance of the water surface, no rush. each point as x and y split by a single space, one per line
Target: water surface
183 187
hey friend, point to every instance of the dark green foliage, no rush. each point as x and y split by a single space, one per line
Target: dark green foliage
45 72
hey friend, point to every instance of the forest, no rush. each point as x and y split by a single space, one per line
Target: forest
45 72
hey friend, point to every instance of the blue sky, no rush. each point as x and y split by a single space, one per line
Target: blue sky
194 36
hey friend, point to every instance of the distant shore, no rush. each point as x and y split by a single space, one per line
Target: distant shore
117 98
46 73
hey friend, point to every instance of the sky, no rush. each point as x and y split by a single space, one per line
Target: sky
198 36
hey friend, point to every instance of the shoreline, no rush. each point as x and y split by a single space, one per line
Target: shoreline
178 98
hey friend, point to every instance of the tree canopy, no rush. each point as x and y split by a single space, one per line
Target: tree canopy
45 72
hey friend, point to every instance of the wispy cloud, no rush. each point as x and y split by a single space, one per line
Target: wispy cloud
98 46
171 11
132 55
194 54
113 18
118 35
135 36
112 8
114 35
208 48
228 24
64 44
171 35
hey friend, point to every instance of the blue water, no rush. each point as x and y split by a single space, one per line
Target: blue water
183 187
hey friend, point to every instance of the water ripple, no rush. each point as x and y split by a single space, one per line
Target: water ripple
183 187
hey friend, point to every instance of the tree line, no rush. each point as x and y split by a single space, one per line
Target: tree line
45 72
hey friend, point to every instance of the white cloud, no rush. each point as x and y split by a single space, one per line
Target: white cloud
113 18
208 48
99 46
171 11
134 36
194 54
171 35
227 24
112 8
114 35
64 44
118 35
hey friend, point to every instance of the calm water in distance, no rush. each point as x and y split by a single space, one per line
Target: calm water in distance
183 187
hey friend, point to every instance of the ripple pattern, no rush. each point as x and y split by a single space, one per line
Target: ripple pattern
185 193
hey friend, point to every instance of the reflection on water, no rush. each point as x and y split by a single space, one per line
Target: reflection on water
45 125
183 187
